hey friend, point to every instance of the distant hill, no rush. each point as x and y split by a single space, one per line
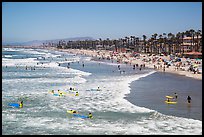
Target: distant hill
40 42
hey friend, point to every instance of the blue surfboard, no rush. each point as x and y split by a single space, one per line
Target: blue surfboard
80 116
14 105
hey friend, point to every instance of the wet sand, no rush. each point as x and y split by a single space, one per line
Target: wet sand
150 92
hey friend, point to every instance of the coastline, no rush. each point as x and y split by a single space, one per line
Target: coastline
187 81
126 58
94 103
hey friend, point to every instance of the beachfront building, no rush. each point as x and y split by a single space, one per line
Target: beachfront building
191 44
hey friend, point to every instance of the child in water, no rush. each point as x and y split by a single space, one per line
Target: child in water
90 115
21 104
77 94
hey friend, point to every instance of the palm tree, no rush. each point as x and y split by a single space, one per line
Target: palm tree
165 41
198 33
137 44
144 42
192 32
170 42
160 43
178 42
154 42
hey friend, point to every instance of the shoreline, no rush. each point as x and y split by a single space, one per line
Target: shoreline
140 94
126 58
157 102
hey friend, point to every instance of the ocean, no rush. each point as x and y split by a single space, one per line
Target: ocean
29 74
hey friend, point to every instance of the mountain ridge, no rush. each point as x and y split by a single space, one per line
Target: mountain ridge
40 42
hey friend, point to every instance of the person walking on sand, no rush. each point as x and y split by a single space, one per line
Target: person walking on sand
189 99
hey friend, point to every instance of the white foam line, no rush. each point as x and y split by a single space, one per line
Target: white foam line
19 62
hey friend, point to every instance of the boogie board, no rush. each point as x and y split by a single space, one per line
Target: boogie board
170 102
58 95
14 105
71 111
63 92
55 94
80 116
169 97
69 94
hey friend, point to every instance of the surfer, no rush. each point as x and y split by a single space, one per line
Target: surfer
52 91
98 89
21 104
60 94
74 111
77 94
175 95
90 115
168 100
189 99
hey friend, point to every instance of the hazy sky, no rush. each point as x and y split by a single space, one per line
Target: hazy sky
25 21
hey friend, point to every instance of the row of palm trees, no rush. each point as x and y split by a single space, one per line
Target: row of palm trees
163 43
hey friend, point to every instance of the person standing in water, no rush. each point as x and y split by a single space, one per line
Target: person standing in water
189 99
175 95
98 89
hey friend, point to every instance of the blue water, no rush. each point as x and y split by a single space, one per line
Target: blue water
29 75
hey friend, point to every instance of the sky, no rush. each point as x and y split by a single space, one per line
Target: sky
27 21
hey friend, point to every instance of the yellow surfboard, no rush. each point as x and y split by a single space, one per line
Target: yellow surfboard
72 111
170 102
169 97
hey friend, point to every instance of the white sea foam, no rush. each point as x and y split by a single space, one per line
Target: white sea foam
8 56
19 62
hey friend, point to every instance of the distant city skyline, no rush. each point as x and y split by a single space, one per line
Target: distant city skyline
27 21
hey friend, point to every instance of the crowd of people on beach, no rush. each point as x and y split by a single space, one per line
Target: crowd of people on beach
165 63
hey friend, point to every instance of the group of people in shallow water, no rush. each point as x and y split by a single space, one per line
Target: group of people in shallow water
76 112
176 96
61 93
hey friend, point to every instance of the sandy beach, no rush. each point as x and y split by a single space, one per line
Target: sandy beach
154 61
